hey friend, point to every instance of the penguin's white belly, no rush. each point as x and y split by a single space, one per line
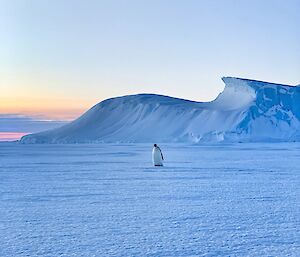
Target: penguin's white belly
156 157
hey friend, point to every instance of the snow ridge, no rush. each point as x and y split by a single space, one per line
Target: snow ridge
246 111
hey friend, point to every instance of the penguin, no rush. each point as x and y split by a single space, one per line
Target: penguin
157 156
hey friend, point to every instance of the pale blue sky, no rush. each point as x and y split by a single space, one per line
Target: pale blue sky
58 56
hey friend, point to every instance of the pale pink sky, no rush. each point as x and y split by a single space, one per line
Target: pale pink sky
11 136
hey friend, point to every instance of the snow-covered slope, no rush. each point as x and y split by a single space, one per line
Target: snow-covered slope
247 110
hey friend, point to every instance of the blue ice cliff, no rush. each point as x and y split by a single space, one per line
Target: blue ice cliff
246 111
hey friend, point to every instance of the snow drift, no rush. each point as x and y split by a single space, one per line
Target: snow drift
246 111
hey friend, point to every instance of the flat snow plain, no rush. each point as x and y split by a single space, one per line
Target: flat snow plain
108 200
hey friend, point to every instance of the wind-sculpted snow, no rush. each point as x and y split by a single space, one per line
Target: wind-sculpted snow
108 200
247 110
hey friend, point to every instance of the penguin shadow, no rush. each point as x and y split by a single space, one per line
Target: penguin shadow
156 168
166 169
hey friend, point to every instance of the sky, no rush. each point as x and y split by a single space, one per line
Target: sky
60 57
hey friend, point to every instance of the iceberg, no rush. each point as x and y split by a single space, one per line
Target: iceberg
246 111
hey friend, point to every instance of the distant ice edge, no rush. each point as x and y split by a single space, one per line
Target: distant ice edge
246 111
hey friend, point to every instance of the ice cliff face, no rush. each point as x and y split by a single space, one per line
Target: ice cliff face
247 110
273 116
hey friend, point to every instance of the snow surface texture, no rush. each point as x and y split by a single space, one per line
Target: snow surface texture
247 110
226 200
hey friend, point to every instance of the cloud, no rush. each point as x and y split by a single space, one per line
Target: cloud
27 124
